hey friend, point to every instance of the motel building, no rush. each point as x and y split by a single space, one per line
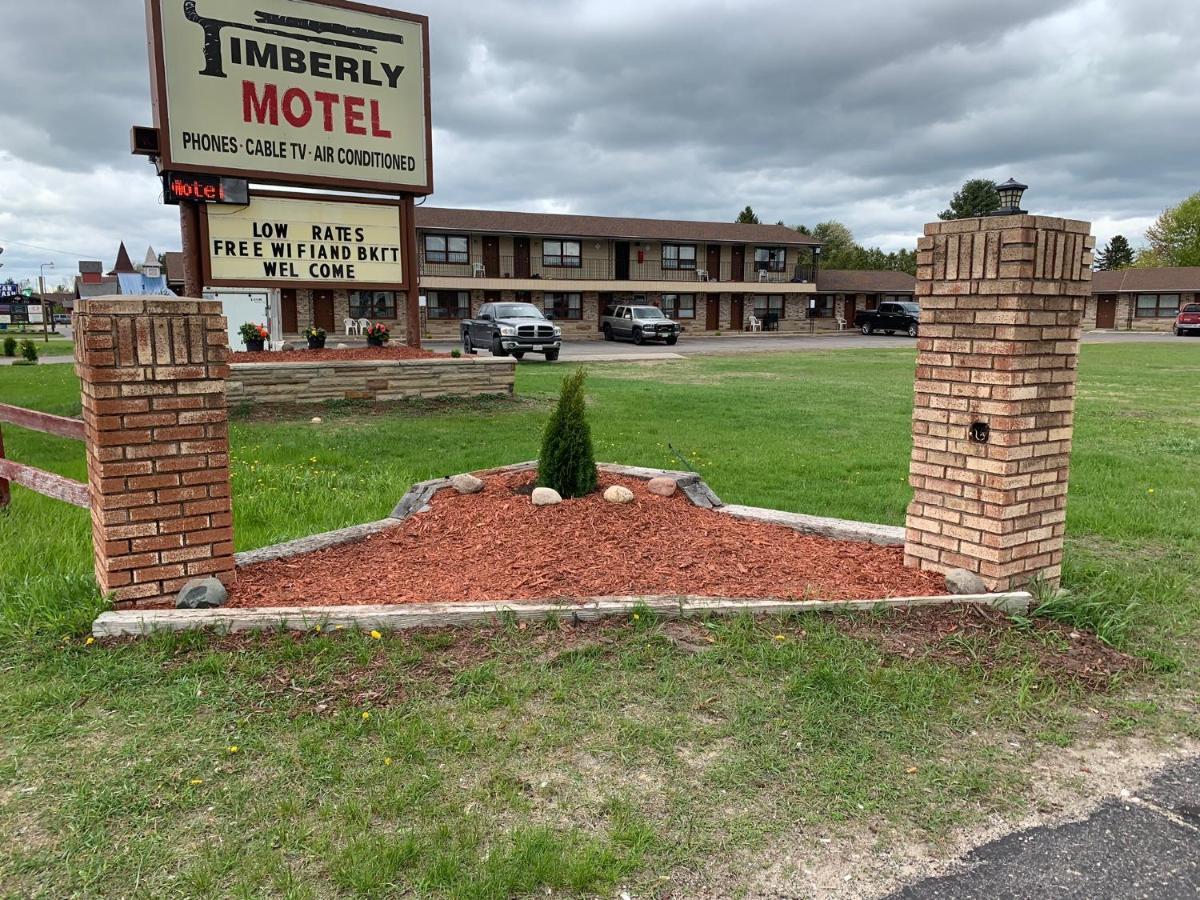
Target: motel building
1140 299
711 276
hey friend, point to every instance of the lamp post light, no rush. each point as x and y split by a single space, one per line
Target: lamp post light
42 295
1010 198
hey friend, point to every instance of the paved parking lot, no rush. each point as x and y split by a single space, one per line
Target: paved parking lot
851 340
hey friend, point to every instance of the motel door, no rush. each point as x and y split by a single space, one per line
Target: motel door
848 309
521 257
737 270
713 262
1106 312
712 320
287 310
322 304
491 256
737 313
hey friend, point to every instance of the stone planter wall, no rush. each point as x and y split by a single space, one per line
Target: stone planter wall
377 380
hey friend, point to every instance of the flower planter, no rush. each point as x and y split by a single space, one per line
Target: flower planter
255 346
375 342
316 343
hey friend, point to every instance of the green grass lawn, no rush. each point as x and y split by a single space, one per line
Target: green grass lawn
56 346
515 760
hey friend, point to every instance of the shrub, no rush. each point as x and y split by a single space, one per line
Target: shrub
29 351
377 334
456 353
568 462
10 346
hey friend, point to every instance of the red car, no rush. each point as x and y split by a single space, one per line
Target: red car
1188 321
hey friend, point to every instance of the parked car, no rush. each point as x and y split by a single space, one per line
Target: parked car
639 324
1188 320
62 319
891 317
512 329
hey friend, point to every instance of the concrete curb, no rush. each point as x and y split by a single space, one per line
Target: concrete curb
400 617
835 529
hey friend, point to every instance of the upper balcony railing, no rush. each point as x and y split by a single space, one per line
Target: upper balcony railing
508 267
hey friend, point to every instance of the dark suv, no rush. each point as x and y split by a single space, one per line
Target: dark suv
890 317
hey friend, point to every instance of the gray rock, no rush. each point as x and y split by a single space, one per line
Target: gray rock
662 486
545 496
467 484
618 493
960 581
202 593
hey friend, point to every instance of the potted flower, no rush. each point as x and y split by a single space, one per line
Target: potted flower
377 335
316 337
254 336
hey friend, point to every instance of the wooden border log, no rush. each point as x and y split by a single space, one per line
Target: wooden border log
46 483
44 422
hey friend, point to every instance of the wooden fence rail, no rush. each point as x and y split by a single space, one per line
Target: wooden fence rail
47 483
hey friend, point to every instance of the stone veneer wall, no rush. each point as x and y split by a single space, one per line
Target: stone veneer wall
375 380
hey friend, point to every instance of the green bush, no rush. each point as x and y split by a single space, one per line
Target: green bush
10 346
568 462
29 351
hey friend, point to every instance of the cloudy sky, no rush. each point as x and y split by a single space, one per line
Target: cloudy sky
868 111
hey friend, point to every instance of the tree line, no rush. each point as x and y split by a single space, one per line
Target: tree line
1173 239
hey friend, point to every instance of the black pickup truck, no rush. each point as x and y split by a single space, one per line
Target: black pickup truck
511 329
890 317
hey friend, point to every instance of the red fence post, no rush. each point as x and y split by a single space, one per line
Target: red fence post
5 495
152 371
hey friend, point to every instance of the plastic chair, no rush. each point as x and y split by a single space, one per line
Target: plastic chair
755 324
350 326
364 325
841 323
478 271
764 275
702 274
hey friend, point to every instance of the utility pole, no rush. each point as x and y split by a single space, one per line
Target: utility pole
42 297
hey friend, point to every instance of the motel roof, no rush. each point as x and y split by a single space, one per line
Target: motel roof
1180 278
864 281
433 218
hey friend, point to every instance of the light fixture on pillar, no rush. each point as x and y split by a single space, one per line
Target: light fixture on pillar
1010 198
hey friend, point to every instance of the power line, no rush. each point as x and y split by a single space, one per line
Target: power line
74 253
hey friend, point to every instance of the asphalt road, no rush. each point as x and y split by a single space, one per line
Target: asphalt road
596 351
1144 845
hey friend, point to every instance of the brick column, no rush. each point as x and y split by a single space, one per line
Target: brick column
1001 306
152 373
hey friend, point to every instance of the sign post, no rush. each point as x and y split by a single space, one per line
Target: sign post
328 94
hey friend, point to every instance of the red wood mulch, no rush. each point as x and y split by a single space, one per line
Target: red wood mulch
398 351
497 546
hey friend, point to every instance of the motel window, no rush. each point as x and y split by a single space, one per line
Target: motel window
896 298
768 304
449 305
563 306
1154 306
679 306
679 256
821 307
446 248
770 259
562 253
372 305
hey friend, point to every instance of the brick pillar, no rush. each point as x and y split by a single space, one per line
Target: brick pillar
152 373
1001 306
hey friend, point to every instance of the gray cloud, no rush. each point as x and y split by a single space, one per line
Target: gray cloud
869 111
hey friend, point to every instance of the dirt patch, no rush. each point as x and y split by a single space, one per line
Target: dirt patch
497 546
396 351
974 635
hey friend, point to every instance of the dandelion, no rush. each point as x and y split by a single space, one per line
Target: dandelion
636 617
780 637
1151 491
376 635
89 642
196 781
366 716
312 459
233 748
387 760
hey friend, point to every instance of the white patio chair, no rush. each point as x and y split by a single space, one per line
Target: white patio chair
755 324
350 326
702 274
764 275
478 271
364 325
841 323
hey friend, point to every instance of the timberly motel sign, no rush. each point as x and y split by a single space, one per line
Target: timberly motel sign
324 95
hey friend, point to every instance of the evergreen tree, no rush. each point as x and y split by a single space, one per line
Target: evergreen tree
747 217
567 462
977 197
1117 254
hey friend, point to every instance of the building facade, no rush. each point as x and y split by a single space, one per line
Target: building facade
710 276
1140 299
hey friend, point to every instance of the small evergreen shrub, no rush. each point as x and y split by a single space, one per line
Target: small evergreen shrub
29 351
567 462
10 346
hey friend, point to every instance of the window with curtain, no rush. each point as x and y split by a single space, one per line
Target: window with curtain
679 306
563 306
768 304
449 305
567 254
372 305
1156 306
770 259
679 256
446 248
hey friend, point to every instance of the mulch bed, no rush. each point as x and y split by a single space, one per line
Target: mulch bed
397 351
496 546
